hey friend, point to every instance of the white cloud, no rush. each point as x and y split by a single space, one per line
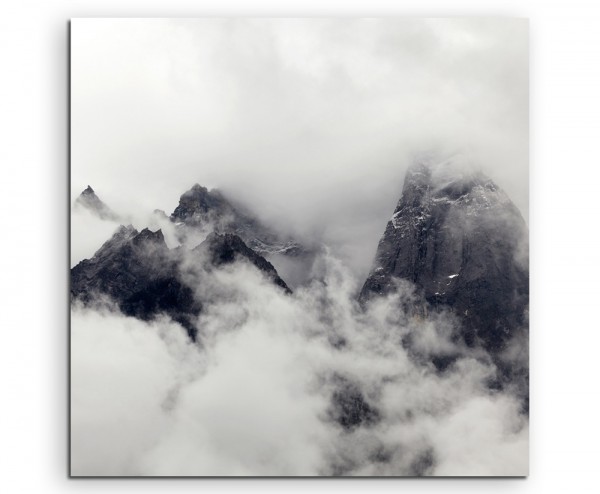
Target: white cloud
253 398
122 372
88 233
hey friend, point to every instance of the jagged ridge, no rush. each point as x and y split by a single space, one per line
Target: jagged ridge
200 207
144 277
457 236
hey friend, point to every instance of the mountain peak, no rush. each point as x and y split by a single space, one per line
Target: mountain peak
148 236
128 230
443 169
225 248
199 188
91 202
456 235
198 206
145 278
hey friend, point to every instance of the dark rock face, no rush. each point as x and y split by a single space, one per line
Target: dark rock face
201 211
199 207
145 278
349 408
90 201
458 237
226 248
138 272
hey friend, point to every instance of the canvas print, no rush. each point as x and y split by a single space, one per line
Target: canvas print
299 247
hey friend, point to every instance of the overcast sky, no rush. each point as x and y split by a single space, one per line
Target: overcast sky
312 122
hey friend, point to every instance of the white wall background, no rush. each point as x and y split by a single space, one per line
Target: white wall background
565 127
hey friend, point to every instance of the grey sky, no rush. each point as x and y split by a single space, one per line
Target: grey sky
310 121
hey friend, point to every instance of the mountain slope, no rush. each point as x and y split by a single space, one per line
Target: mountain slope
226 248
457 236
145 278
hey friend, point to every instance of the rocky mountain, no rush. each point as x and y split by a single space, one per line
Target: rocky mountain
199 207
201 210
90 201
226 248
145 278
462 242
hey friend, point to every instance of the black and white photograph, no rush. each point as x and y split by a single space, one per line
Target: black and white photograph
303 246
299 247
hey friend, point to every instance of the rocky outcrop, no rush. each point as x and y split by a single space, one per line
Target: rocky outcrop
144 278
201 211
226 248
201 208
349 407
457 236
91 202
139 273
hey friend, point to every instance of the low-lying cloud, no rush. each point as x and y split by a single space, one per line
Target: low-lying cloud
254 395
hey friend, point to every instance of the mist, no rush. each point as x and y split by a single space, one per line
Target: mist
309 122
254 395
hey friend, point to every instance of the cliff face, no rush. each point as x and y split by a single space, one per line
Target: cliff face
199 207
202 210
226 248
144 278
457 236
